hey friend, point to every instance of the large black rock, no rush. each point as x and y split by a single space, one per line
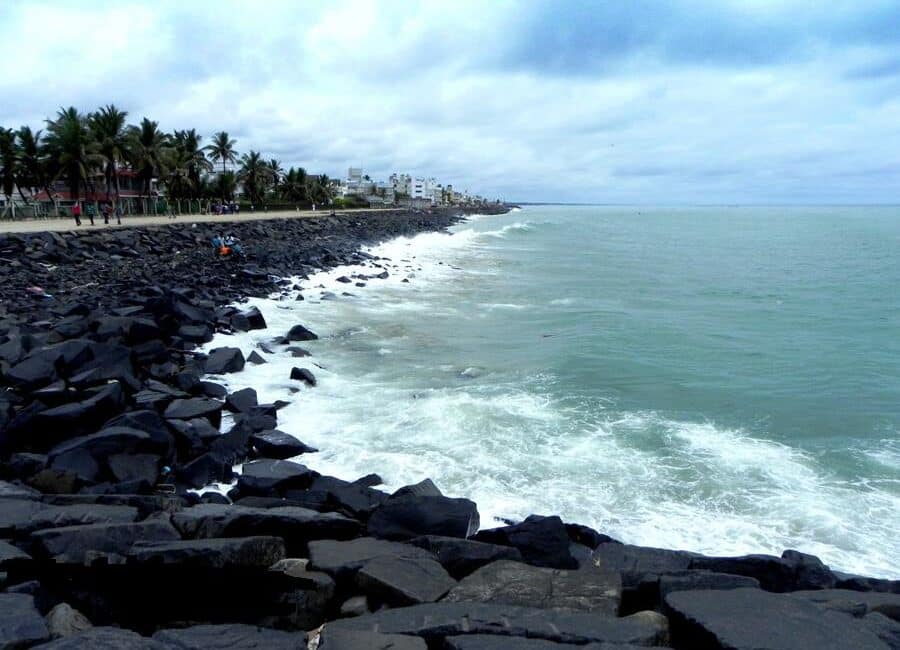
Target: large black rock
463 556
342 560
297 526
241 401
197 407
403 581
300 333
78 544
338 639
224 360
260 552
789 573
542 541
278 444
588 589
105 638
405 517
752 619
270 477
21 625
229 637
435 621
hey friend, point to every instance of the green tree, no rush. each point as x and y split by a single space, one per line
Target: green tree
294 186
108 129
148 150
222 149
33 172
255 174
224 186
320 190
71 150
191 155
276 174
9 161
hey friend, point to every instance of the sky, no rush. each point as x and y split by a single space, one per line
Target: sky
609 101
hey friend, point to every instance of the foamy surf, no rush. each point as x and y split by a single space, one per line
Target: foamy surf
403 394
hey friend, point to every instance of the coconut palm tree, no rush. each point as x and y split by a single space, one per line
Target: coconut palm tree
108 128
71 150
222 148
9 162
293 187
148 148
320 189
276 174
193 157
32 162
255 174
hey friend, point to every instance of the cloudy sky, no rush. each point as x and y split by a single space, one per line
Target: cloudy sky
647 101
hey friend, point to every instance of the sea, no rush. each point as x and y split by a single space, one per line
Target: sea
723 380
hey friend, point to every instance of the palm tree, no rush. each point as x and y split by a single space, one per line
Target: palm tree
9 162
71 150
254 174
293 187
222 148
320 189
224 186
108 127
276 174
195 161
148 148
32 162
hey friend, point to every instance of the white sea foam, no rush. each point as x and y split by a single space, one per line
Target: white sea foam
516 449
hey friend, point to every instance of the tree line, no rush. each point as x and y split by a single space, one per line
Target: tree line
86 149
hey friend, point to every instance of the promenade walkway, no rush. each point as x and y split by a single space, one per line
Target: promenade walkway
66 224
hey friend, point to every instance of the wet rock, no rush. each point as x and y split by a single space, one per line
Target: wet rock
255 358
224 360
542 541
278 444
773 573
405 517
354 606
241 401
196 333
297 351
198 407
204 470
270 477
304 375
299 333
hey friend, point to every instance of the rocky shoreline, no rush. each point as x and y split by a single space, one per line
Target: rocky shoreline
108 425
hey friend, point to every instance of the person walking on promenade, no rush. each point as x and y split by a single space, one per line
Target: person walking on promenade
76 212
106 211
90 212
119 213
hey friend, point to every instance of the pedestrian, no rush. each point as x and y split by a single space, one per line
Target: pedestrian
76 212
106 211
119 213
90 212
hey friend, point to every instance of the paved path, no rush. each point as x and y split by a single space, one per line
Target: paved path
59 225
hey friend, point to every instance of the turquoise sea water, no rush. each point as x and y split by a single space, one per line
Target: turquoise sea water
725 380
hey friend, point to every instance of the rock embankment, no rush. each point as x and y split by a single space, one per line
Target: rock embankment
108 425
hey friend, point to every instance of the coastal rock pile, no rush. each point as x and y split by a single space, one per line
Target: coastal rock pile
110 435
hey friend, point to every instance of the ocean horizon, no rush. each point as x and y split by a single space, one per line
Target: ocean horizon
717 379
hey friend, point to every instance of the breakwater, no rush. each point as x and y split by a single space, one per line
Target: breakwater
105 401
